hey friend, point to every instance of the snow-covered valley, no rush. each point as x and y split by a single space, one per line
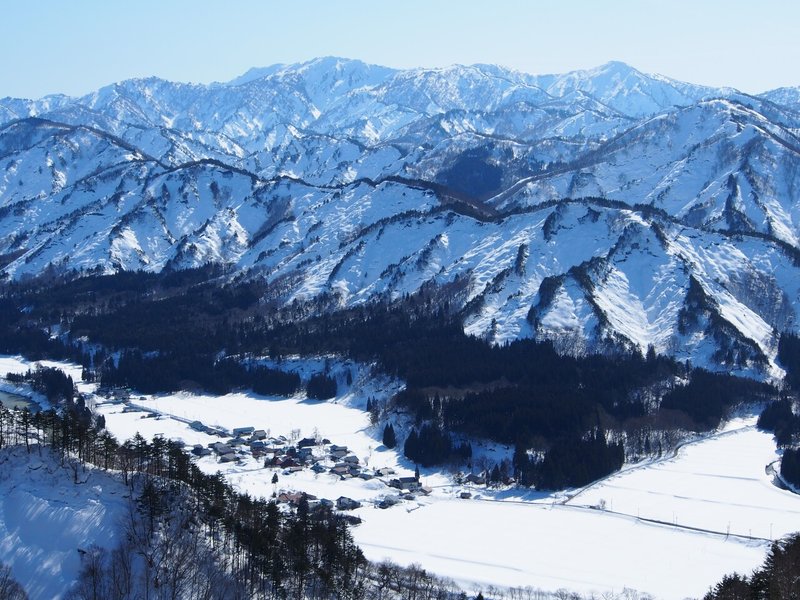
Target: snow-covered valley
710 509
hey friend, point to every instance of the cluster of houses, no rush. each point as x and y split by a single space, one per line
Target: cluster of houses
231 451
342 503
318 455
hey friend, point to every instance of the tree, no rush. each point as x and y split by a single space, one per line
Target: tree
494 476
732 587
321 387
275 479
389 438
10 589
777 578
410 448
790 466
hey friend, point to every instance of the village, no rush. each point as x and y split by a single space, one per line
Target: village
319 455
284 456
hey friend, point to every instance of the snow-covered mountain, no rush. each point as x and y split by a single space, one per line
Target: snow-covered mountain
602 209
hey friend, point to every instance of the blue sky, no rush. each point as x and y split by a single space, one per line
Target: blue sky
76 46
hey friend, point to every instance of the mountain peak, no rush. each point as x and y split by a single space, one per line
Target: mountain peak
254 73
616 67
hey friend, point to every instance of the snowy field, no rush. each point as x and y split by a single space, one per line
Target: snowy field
508 537
17 364
719 484
481 543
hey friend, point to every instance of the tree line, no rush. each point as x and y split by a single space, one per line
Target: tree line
777 579
154 373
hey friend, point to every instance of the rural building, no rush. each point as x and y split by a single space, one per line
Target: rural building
345 503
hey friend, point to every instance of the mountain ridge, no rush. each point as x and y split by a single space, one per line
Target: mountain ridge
539 200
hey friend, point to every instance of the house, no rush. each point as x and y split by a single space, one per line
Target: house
307 443
345 503
351 459
475 479
258 434
318 468
257 448
221 449
198 450
290 497
389 501
294 498
465 495
384 472
405 483
226 458
338 453
342 471
197 426
239 431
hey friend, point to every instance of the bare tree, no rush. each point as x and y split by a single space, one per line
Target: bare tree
10 589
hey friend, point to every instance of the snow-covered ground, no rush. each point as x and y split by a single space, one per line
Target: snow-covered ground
45 519
512 538
17 364
507 537
482 543
538 540
719 483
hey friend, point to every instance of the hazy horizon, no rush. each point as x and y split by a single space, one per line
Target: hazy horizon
74 49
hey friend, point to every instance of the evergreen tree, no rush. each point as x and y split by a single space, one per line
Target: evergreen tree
411 447
389 438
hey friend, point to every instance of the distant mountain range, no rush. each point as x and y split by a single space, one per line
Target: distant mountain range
604 209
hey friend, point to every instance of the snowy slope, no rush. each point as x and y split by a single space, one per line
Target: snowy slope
46 519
